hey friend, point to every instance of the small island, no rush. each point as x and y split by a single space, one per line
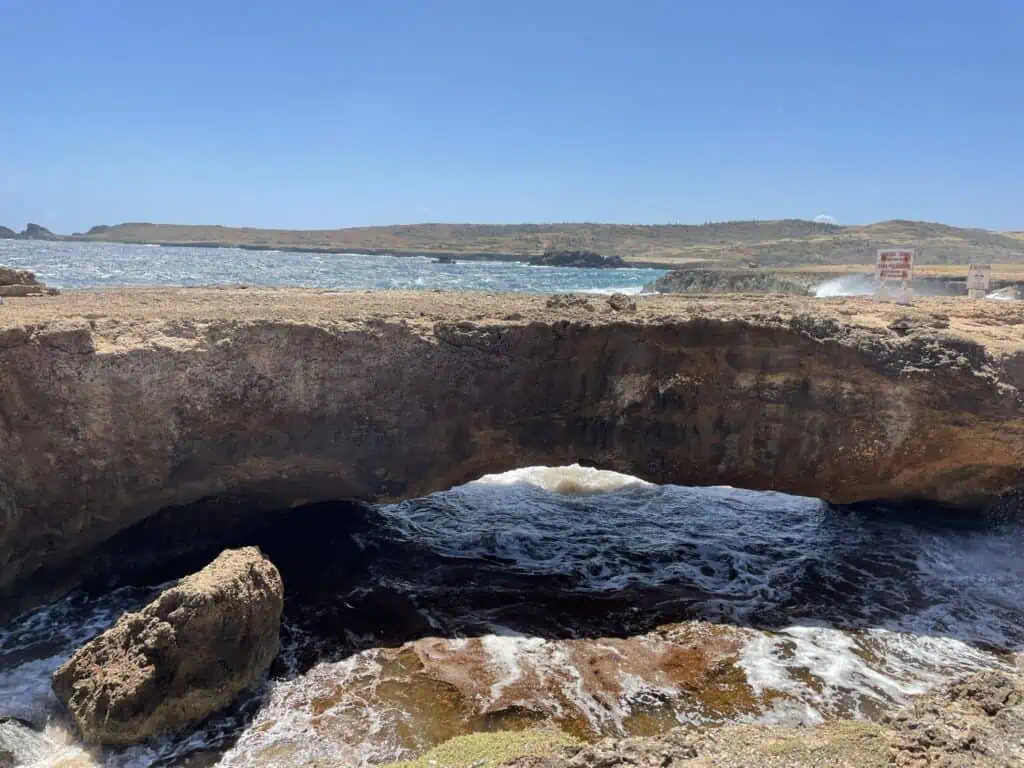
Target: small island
585 259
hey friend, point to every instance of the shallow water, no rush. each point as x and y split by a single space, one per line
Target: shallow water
594 600
92 265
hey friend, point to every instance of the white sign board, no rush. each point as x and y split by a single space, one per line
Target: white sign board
894 264
979 279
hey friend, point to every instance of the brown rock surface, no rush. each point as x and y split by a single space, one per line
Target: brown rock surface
977 722
184 656
115 404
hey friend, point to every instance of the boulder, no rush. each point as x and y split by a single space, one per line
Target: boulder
9 276
568 301
620 302
187 654
7 234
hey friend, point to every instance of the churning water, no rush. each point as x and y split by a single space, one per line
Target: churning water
92 265
590 599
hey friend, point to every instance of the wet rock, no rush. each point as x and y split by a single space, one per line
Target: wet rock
620 302
187 654
977 722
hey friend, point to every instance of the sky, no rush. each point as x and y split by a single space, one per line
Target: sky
334 113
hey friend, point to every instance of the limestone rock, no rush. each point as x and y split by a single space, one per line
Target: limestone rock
187 654
145 399
977 722
620 302
21 282
569 300
10 276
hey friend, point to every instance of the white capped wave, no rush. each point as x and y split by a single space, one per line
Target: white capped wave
573 480
848 285
629 290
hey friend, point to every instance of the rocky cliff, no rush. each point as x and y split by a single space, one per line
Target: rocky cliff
114 405
37 232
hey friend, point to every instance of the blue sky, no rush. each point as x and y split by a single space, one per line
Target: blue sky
317 113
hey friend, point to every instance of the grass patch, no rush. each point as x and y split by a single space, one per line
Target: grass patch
482 750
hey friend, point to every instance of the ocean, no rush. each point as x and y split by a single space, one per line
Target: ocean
99 265
574 596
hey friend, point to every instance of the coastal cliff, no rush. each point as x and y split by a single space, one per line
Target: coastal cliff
116 404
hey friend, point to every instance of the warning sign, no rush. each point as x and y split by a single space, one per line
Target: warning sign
896 264
979 278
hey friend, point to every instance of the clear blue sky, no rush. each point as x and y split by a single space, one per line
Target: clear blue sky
325 113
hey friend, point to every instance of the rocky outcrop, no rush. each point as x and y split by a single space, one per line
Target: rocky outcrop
7 234
36 232
21 282
184 656
114 405
585 259
704 280
977 722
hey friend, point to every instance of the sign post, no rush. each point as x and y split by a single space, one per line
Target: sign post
979 279
891 265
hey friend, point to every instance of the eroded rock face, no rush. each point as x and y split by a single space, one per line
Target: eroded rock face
184 656
112 409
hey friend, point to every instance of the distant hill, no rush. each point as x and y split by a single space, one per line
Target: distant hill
767 243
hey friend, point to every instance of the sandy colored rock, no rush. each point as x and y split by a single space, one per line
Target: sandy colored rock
187 654
21 282
115 404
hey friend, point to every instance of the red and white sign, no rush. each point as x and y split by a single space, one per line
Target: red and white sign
895 264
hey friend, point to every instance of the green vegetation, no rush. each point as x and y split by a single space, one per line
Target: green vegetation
484 750
788 242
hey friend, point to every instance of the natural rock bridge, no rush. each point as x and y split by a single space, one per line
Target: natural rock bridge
115 405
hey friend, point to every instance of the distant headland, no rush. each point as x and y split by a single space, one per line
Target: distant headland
779 243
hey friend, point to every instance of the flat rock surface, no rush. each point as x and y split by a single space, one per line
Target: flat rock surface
998 325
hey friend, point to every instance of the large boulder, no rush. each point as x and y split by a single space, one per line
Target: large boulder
6 233
187 654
